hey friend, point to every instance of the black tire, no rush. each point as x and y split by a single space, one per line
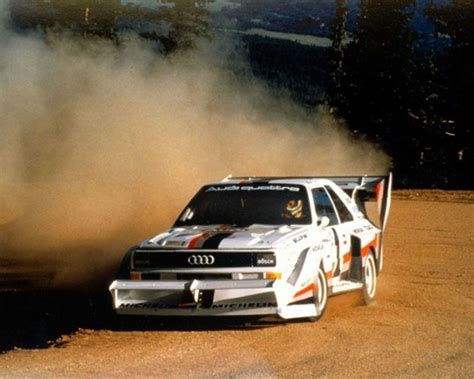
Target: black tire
320 294
369 279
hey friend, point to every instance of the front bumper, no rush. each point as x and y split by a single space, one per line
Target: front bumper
194 297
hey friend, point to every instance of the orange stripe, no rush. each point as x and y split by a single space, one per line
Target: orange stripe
329 275
378 190
311 287
347 258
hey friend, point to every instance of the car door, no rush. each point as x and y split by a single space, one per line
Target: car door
343 229
327 206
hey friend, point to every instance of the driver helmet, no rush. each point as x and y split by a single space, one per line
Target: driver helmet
294 209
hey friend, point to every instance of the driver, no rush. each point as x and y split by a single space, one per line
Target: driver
293 209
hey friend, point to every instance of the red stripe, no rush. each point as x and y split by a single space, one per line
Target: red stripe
192 244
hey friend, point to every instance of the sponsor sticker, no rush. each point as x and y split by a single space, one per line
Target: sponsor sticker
300 238
236 306
269 187
318 247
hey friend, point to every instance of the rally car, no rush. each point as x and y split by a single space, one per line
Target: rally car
260 246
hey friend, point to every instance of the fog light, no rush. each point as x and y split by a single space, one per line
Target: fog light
272 275
135 275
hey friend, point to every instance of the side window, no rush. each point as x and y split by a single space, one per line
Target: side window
344 213
324 205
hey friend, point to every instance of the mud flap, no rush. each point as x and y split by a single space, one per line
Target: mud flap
355 270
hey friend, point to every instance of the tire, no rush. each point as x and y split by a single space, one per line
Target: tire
369 279
320 294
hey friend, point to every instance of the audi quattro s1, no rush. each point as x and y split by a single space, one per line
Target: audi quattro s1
260 246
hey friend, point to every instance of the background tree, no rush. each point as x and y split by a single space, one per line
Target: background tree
336 55
177 25
374 93
455 84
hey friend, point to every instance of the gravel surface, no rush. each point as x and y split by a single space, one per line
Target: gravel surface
421 324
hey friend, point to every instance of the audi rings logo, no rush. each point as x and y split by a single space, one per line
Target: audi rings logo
201 260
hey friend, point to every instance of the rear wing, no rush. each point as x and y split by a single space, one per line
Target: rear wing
368 188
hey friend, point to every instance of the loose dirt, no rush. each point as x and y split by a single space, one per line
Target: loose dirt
420 325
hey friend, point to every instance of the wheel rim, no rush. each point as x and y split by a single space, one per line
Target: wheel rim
370 276
322 298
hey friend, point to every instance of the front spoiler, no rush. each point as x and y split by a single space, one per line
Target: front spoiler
229 298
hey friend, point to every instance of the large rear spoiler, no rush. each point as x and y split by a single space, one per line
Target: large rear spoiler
368 188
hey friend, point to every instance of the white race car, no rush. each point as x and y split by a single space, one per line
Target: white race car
260 246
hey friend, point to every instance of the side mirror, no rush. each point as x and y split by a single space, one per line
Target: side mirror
324 221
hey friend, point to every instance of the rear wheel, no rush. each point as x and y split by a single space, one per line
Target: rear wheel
369 279
320 294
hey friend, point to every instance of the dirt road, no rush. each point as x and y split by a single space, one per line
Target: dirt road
420 325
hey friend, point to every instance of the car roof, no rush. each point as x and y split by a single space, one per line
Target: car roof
296 180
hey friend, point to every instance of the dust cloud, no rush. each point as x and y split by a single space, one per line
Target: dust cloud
101 146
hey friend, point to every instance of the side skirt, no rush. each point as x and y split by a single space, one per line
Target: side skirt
346 286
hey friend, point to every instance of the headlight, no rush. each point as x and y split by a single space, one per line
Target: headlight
141 260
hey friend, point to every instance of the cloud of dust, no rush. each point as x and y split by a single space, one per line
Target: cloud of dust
101 146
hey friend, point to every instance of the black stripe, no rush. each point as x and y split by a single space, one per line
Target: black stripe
337 272
214 241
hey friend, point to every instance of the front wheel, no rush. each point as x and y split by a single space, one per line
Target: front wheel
369 279
320 294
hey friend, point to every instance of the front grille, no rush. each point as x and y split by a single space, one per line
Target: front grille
203 276
151 276
184 276
147 258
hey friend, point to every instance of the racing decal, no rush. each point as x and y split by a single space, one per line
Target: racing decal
346 258
298 267
197 241
269 187
150 306
236 306
300 238
310 288
214 241
378 191
209 239
317 247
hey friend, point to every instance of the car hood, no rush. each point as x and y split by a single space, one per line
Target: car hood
219 237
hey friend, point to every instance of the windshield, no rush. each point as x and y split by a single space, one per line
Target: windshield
247 204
